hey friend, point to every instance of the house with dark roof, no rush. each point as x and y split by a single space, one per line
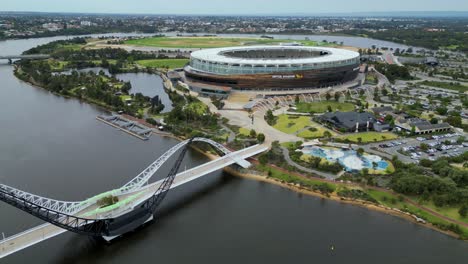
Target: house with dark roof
349 121
422 126
431 61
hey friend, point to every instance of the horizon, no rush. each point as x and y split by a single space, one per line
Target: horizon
239 7
447 13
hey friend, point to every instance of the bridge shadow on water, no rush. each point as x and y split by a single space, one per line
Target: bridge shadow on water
83 249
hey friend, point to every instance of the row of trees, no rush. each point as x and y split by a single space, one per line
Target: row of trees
393 72
83 85
437 181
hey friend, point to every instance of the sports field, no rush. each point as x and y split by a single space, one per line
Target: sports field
211 42
164 63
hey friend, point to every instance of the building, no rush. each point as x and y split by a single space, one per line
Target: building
422 126
382 111
349 121
431 61
52 26
85 23
272 67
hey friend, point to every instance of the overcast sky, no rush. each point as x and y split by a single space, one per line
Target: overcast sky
231 6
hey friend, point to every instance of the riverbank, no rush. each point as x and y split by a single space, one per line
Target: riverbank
296 187
334 196
337 198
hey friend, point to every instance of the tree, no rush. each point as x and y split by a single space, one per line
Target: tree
328 96
296 99
329 108
388 118
253 134
424 147
375 165
434 120
442 110
270 118
455 121
327 134
359 139
107 200
261 137
337 97
360 151
263 158
365 172
463 210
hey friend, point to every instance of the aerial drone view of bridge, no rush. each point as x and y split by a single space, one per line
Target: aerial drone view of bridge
137 200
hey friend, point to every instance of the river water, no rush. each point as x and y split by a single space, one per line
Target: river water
142 82
54 147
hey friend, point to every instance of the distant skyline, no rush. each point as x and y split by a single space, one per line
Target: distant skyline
220 7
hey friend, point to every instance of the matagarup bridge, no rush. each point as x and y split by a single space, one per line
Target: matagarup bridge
138 200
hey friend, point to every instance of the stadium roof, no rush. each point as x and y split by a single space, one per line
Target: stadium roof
218 55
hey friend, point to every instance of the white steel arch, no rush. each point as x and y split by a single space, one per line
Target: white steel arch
71 207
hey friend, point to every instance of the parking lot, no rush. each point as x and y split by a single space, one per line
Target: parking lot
409 150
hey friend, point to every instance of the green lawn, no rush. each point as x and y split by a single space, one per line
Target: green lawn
210 42
391 200
370 79
446 85
280 175
291 124
163 63
369 136
57 65
244 131
321 107
308 134
451 212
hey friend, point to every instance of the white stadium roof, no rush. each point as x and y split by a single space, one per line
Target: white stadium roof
216 55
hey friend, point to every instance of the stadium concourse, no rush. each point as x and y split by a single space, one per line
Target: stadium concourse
269 68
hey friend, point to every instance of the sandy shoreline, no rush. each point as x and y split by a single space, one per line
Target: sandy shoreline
333 197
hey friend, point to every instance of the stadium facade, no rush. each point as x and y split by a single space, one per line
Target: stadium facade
270 68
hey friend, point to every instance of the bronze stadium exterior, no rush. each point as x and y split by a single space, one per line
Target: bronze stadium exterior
271 67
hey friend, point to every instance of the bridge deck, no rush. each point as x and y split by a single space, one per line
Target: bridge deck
43 232
27 56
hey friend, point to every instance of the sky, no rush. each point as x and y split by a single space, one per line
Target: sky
221 7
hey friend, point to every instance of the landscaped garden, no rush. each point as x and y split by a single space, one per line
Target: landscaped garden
323 106
291 124
368 137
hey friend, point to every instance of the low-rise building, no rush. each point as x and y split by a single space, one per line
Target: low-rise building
349 121
422 126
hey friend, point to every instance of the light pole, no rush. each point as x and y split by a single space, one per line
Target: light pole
3 241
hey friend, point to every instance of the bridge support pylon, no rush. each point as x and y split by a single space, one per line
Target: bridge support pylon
10 61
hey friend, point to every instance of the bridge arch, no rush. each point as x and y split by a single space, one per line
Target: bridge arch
72 207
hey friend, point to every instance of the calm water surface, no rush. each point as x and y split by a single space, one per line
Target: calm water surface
54 147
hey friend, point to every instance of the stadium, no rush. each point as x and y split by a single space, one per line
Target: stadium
256 68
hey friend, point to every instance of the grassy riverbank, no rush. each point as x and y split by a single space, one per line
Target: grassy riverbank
369 197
